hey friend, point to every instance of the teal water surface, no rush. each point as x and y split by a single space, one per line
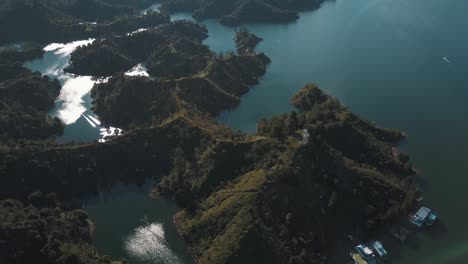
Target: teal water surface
130 224
400 63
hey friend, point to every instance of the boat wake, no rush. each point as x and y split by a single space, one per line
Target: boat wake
447 60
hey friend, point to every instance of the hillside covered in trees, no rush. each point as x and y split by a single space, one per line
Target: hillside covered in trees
286 194
67 20
238 12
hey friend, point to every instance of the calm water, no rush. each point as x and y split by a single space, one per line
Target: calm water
128 223
400 63
131 225
385 60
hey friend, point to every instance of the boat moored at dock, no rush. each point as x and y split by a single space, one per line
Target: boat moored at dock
362 254
424 216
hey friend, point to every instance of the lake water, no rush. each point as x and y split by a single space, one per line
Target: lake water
73 104
130 224
400 63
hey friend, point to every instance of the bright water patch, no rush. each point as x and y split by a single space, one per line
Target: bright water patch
182 16
67 49
148 243
56 59
130 224
74 103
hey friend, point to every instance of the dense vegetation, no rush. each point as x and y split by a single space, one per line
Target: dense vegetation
171 48
61 20
236 12
286 200
25 98
28 52
287 194
268 193
183 71
127 101
246 42
42 230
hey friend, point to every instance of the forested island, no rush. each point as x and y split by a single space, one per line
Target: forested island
286 194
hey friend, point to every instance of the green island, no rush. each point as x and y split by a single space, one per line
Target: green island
283 195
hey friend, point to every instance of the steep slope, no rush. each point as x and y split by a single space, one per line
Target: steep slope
289 200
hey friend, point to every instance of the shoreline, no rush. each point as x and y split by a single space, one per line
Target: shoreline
176 222
188 248
176 218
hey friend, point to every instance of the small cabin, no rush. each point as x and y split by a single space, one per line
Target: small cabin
424 216
305 136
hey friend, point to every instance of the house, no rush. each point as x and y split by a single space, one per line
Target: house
362 254
305 136
424 216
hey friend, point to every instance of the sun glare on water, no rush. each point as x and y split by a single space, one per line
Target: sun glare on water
148 243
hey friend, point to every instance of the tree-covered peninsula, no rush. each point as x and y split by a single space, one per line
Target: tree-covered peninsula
25 98
286 194
273 194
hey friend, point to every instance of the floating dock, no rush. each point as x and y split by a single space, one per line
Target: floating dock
424 216
362 254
